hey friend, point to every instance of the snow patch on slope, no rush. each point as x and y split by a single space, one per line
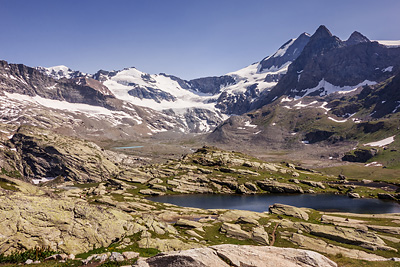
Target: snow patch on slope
329 88
115 117
382 142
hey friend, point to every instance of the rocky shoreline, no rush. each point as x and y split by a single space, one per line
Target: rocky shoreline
105 211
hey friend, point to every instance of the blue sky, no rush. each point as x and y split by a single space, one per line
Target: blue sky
186 38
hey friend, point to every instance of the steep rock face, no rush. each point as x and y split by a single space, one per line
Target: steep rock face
29 81
328 64
42 154
288 52
356 38
211 85
150 93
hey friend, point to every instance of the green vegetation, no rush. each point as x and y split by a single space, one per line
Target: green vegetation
36 254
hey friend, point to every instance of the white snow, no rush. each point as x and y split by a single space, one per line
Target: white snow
42 180
388 69
382 142
389 43
248 124
330 88
114 117
335 120
286 99
283 50
375 164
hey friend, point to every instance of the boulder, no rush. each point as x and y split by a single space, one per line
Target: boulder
169 244
251 186
159 187
150 192
321 246
128 255
353 195
313 184
276 187
238 256
235 231
188 223
234 215
244 220
259 235
340 221
356 237
200 257
288 211
116 256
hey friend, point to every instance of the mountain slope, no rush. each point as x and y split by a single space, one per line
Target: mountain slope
328 64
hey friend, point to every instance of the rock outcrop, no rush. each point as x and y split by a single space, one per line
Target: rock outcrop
288 211
238 256
62 224
276 187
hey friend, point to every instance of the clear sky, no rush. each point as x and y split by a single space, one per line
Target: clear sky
186 38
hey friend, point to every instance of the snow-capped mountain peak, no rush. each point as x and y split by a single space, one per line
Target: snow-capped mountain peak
61 71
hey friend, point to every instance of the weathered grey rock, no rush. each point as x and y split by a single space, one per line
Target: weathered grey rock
28 261
238 256
251 186
353 195
155 181
116 256
313 184
170 244
159 187
248 220
385 229
288 211
243 190
230 183
276 187
321 246
61 256
259 235
340 221
69 225
296 181
268 256
235 231
356 237
151 192
128 255
202 257
234 215
188 223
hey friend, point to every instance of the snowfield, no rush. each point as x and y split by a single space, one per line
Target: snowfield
383 142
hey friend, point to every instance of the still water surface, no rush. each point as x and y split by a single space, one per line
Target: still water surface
260 203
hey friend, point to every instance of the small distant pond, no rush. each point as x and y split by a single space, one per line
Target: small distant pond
126 147
260 203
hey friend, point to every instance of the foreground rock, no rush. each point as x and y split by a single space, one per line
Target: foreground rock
238 256
68 225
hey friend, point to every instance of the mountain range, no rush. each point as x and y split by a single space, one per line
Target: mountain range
310 83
